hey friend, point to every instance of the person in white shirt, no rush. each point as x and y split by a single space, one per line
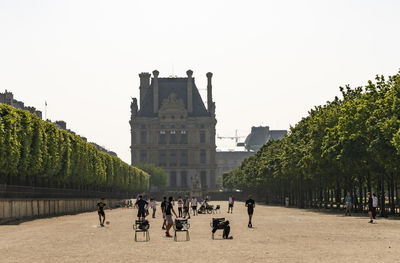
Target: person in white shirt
194 205
180 206
230 203
374 205
153 205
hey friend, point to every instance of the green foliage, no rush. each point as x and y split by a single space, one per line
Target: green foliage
37 153
158 177
349 144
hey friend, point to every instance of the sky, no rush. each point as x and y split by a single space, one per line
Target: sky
272 60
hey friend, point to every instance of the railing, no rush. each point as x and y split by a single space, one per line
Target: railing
17 191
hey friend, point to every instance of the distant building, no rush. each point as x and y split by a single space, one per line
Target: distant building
8 98
260 136
228 161
174 130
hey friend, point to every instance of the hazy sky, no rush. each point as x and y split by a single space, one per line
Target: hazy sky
272 60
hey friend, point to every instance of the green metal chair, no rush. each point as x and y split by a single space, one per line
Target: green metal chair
139 228
185 228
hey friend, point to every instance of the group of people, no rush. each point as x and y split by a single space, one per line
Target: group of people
372 205
167 208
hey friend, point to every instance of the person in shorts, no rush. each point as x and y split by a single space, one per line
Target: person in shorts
141 205
186 207
100 211
348 204
250 204
163 205
153 205
169 209
231 201
194 205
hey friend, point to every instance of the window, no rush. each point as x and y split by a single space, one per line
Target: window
163 158
202 137
203 179
202 156
172 179
172 137
143 137
184 158
184 138
163 137
172 158
143 156
184 182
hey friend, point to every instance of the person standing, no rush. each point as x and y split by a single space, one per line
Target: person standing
374 205
370 207
186 207
100 211
194 205
348 204
231 201
141 205
163 206
180 206
250 204
153 205
169 209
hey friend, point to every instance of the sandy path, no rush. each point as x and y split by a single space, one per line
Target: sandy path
279 235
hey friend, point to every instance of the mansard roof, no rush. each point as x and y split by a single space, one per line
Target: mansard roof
167 86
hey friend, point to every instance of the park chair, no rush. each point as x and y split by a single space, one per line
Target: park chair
181 225
217 224
217 209
139 227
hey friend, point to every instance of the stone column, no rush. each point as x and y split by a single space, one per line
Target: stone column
155 91
189 91
209 91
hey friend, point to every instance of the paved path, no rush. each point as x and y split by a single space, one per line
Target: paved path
279 235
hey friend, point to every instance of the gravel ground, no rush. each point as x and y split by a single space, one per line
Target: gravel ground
279 235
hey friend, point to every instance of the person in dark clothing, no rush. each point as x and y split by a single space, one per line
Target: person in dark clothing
169 209
100 211
370 208
250 204
141 205
163 205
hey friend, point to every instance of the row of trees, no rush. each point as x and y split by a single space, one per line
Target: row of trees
350 144
36 153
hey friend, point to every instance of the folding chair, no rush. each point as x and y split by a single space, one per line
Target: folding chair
216 223
185 228
140 228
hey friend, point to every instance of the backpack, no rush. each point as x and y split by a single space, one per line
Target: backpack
144 225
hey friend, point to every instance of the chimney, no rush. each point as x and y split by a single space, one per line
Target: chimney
144 85
209 92
189 91
155 91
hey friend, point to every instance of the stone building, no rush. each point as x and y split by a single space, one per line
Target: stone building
229 160
174 130
260 136
8 98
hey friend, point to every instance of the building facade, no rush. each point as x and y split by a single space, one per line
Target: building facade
8 98
171 128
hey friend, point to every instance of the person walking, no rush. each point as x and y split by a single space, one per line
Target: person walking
231 201
250 204
163 205
186 207
141 205
348 204
153 205
180 206
169 209
374 205
194 205
370 207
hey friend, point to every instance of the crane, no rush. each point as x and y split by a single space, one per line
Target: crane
236 137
